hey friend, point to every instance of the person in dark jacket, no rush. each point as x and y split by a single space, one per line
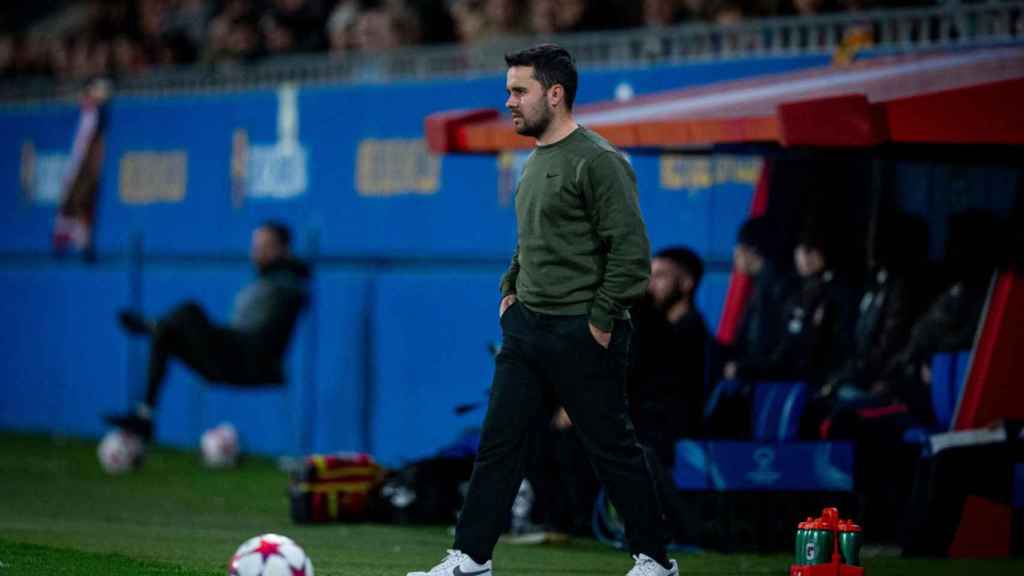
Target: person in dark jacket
812 342
666 381
667 367
891 303
973 251
761 324
727 413
247 353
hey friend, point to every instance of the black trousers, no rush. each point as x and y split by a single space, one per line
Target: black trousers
545 361
564 483
218 354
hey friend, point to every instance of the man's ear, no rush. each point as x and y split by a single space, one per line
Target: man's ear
556 96
686 283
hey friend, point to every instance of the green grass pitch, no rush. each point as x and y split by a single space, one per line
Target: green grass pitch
61 515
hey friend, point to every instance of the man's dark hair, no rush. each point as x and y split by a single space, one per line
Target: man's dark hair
814 235
552 65
686 259
281 232
756 234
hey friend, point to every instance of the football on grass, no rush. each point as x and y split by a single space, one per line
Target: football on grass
270 555
120 452
219 446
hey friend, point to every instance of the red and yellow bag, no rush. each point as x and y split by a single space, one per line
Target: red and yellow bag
333 488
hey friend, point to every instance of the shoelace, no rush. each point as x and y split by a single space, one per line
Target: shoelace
451 560
645 567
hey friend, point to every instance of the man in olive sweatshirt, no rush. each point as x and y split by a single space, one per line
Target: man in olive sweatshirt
582 259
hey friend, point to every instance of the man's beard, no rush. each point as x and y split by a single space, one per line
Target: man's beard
669 300
537 127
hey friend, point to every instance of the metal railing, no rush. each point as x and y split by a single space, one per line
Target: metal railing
953 25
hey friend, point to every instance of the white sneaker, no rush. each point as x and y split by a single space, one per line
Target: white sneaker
458 564
647 566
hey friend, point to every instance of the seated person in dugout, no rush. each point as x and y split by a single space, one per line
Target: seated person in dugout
247 353
813 340
761 325
893 299
668 353
975 248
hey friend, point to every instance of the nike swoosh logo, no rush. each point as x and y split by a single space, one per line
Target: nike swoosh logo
459 572
550 175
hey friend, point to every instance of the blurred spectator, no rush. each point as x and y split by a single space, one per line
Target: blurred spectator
127 58
341 26
727 12
292 26
470 21
504 17
434 20
558 16
810 7
189 18
385 27
233 34
661 12
6 55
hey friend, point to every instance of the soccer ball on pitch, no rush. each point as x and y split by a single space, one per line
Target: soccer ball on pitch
219 446
120 452
270 555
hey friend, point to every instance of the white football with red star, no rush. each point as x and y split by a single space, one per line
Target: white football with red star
270 555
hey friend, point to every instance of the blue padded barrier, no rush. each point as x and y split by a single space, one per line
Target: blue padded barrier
340 334
431 336
49 130
63 360
724 466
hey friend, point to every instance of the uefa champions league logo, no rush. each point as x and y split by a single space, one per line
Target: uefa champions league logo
765 473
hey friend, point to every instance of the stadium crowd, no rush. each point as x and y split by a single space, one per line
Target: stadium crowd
74 40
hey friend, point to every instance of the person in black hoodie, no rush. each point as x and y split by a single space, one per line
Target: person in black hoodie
727 413
247 353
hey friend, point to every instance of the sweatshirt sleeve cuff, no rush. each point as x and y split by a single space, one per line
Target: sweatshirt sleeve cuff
601 319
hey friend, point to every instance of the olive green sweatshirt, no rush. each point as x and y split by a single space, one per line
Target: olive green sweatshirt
582 246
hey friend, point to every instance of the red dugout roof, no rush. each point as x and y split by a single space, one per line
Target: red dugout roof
962 97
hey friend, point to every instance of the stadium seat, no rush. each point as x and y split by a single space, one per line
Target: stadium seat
949 373
777 410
